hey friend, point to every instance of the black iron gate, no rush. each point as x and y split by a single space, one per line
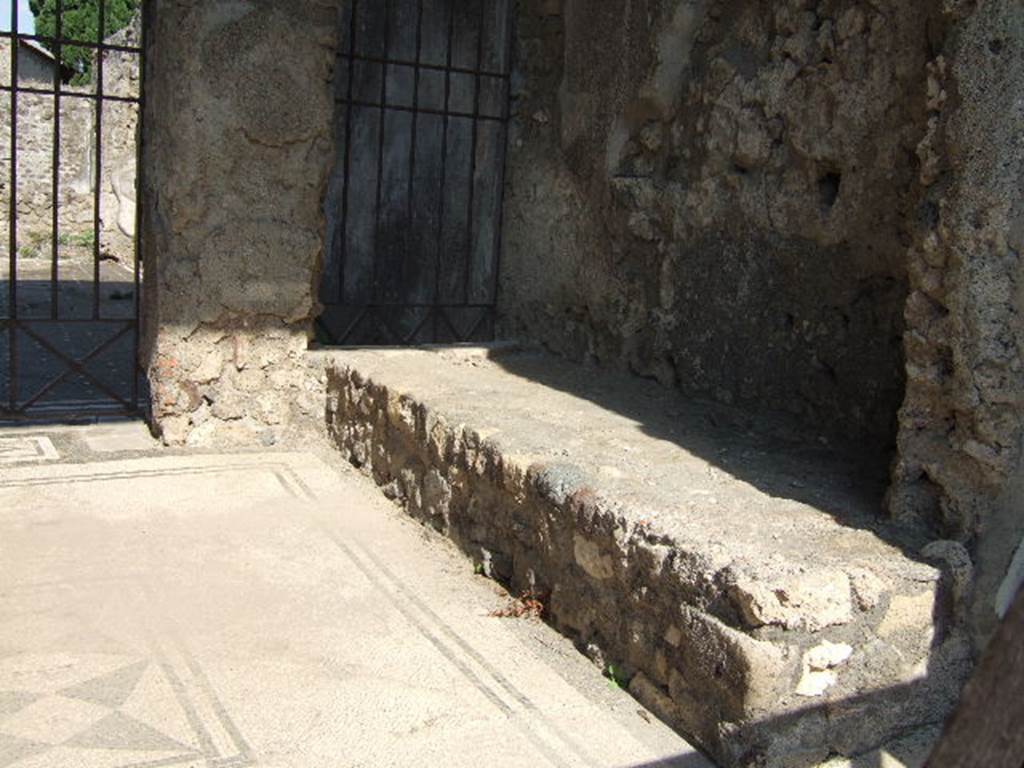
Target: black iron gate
414 208
70 279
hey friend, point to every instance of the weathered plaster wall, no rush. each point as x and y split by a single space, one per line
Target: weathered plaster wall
716 194
237 147
812 208
962 425
35 69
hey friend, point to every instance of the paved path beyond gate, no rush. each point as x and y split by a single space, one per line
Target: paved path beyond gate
267 610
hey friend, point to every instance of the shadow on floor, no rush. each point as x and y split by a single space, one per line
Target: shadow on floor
72 349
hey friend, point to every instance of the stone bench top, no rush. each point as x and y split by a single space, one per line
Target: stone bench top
741 496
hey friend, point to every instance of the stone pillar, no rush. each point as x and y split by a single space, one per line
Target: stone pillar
237 145
962 424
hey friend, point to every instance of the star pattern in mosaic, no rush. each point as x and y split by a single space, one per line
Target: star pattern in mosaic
93 675
92 711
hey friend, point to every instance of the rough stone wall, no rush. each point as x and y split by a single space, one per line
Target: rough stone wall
35 161
812 208
77 157
237 146
716 194
962 424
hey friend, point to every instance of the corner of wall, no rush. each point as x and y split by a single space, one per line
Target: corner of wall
238 139
961 441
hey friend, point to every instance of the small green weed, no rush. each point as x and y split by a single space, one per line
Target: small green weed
615 678
79 239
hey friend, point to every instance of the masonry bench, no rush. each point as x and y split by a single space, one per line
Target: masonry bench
736 574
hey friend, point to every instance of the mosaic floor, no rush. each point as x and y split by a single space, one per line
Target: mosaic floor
266 609
21 449
82 684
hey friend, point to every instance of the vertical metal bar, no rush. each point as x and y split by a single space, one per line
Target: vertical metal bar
12 285
140 186
506 113
343 240
380 150
444 166
54 267
98 178
472 150
410 245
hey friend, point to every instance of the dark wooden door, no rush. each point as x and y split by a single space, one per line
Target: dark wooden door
414 205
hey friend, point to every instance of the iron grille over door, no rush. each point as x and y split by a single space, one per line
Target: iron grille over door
70 271
414 207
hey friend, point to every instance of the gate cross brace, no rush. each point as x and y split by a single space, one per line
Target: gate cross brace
76 366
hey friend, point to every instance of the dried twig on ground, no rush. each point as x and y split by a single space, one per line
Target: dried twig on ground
529 605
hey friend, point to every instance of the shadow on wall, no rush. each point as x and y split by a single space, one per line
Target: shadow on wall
974 735
673 208
912 751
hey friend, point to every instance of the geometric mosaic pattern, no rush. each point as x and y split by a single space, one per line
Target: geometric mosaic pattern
120 714
82 697
15 450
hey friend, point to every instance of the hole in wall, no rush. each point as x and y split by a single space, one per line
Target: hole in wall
828 189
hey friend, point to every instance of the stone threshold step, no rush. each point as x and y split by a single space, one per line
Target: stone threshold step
742 584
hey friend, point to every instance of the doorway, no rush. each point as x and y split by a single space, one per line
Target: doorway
414 205
71 271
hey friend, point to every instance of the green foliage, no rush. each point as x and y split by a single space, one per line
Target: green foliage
80 239
615 679
80 20
29 252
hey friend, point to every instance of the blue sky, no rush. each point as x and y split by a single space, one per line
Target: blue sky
25 21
